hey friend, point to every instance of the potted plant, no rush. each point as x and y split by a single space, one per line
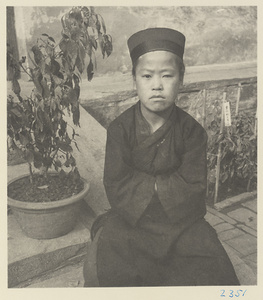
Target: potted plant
46 203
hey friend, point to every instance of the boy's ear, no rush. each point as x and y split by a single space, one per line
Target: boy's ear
134 82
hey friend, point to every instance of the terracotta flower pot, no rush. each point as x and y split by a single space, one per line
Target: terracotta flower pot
47 220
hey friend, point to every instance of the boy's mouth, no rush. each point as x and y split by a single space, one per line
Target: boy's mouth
157 97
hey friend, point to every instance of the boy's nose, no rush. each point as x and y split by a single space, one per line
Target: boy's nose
157 84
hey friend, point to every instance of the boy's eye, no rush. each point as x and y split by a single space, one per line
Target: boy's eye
146 76
167 75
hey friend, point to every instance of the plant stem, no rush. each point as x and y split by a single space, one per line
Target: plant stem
256 119
204 109
32 61
219 151
30 173
248 184
238 97
218 172
26 71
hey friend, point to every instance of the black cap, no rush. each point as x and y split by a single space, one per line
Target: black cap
155 39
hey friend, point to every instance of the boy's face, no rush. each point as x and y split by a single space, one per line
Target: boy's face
157 79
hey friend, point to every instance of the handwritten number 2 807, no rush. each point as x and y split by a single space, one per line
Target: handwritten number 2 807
233 293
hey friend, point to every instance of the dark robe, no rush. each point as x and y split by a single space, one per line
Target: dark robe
149 237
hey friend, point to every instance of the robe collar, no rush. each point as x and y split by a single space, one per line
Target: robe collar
143 129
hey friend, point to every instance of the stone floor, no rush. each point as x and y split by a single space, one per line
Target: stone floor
236 225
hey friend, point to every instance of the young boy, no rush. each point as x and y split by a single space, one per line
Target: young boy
155 179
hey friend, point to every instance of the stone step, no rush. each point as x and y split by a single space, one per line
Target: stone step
29 259
72 276
69 276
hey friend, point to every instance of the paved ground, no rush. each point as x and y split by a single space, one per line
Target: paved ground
236 225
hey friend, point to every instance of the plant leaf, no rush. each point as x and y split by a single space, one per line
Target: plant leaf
76 115
16 86
65 147
29 156
54 67
76 144
51 38
102 24
38 56
90 71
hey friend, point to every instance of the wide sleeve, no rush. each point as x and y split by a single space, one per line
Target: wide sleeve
182 193
129 191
